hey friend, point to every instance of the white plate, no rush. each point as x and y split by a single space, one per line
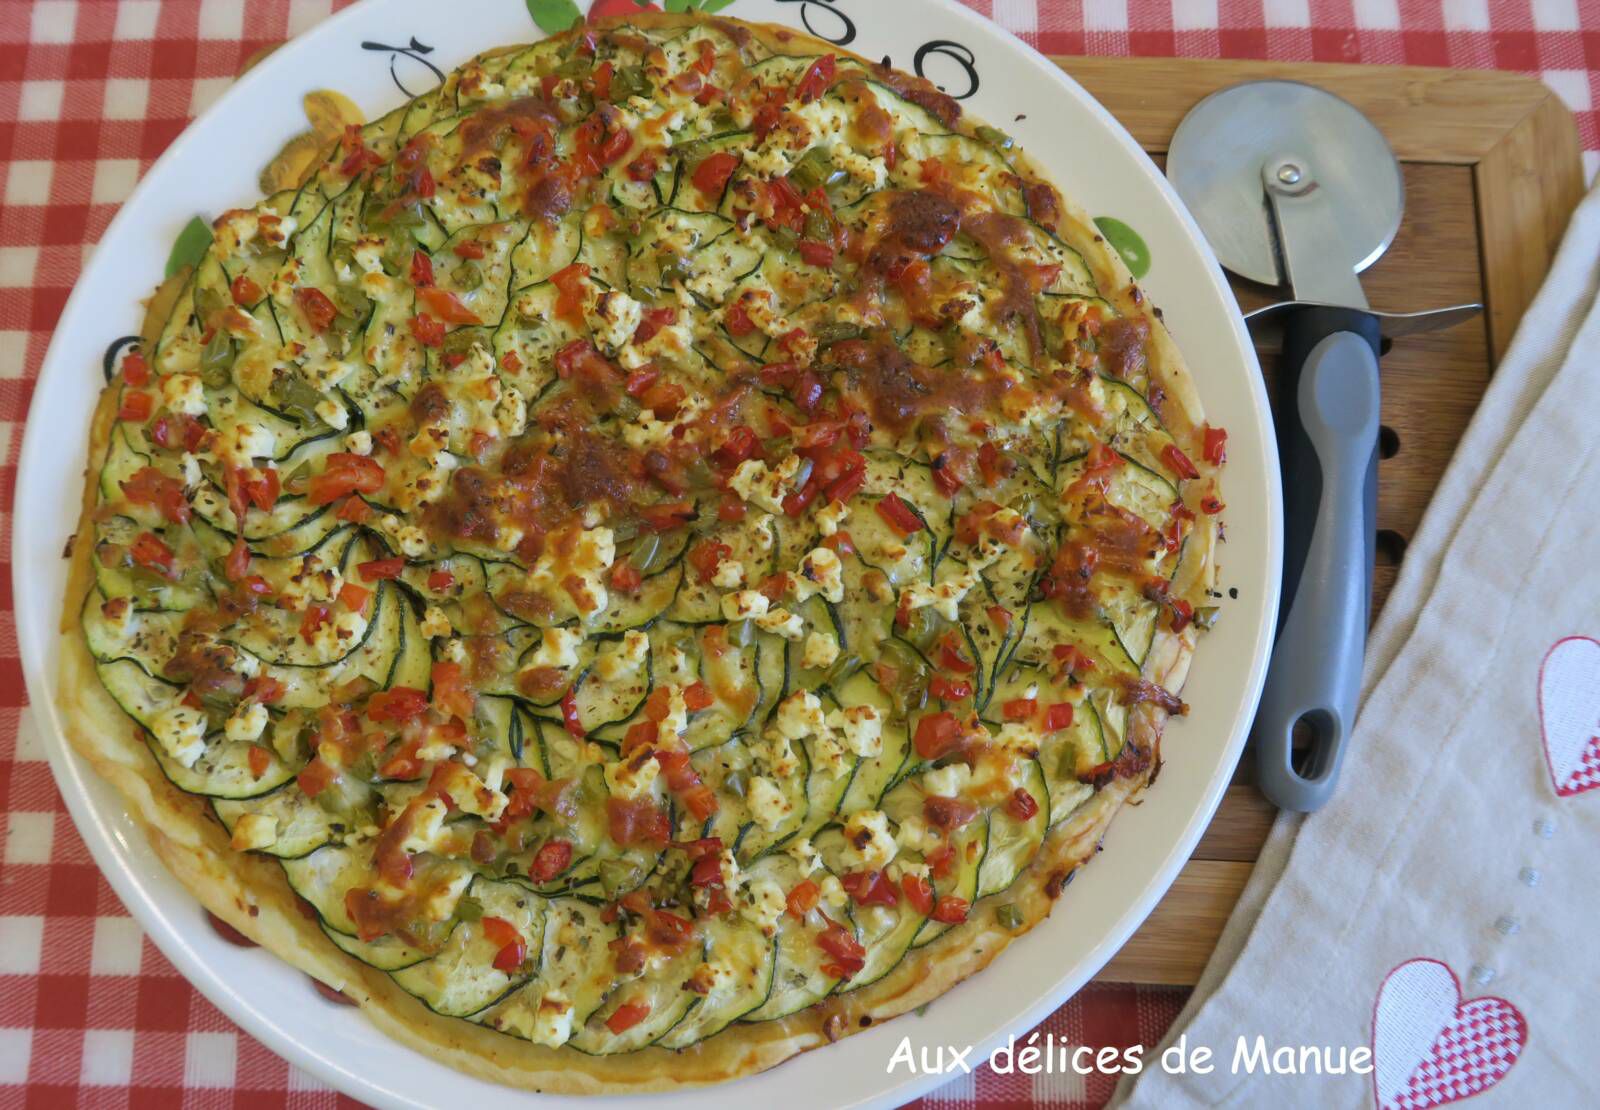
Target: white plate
214 164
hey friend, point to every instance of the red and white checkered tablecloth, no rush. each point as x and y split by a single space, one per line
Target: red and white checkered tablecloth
91 92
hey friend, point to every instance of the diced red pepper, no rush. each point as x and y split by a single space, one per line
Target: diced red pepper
260 760
571 292
738 321
354 597
636 821
1019 709
427 331
1215 450
440 580
1178 462
816 79
951 657
918 892
1211 504
898 515
642 168
136 406
451 695
345 474
937 734
552 858
150 552
951 910
421 269
626 1016
815 253
666 516
398 705
135 370
264 689
706 556
148 486
377 569
651 321
468 248
316 777
318 309
446 306
869 888
244 291
1021 805
848 953
711 175
948 813
697 696
949 689
803 898
1058 716
741 443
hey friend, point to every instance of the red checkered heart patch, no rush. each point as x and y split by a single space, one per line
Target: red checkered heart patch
1569 714
1429 1047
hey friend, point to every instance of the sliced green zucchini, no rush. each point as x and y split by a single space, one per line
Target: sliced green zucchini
463 978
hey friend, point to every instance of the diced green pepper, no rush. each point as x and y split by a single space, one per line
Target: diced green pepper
469 908
995 137
1008 915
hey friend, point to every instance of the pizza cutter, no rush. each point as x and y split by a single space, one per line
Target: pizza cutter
1293 186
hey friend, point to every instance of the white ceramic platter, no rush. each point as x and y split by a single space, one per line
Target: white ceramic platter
372 52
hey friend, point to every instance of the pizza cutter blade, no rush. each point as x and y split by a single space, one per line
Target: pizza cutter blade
1294 187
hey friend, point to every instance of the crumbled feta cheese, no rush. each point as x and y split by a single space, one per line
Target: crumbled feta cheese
744 604
804 853
558 647
832 892
552 1020
181 732
820 573
333 414
613 316
862 728
765 905
359 443
916 835
413 541
754 482
435 623
729 576
427 823
191 471
246 722
254 831
831 516
767 802
799 715
245 442
628 780
623 657
947 781
945 597
781 622
820 651
869 845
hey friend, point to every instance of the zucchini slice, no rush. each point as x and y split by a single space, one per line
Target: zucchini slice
737 977
1014 843
462 978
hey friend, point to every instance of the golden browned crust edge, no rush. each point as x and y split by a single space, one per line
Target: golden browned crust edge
251 893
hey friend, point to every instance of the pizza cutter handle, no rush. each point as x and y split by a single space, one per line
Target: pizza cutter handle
1328 440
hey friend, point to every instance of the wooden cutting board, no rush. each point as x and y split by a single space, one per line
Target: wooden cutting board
1492 171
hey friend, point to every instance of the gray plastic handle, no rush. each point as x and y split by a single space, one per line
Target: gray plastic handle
1314 678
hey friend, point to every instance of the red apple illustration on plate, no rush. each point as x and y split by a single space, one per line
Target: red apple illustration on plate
602 8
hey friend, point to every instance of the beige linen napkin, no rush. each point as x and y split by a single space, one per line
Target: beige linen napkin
1463 849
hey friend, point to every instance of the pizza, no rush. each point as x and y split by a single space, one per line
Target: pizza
655 555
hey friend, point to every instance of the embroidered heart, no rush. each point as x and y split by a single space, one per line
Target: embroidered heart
1429 1047
1569 714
